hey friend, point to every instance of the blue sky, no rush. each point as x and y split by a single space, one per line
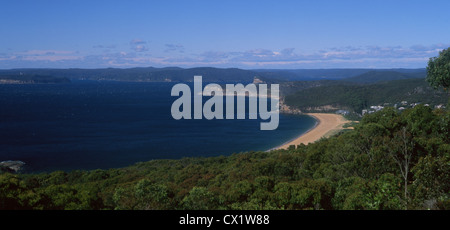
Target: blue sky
244 34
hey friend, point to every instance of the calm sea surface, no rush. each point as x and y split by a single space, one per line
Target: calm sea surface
91 125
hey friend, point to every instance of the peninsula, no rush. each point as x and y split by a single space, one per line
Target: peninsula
31 79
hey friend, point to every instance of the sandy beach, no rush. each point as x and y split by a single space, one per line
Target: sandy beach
327 125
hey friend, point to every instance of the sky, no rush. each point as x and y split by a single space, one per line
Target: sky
247 34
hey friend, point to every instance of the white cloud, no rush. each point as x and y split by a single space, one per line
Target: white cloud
334 57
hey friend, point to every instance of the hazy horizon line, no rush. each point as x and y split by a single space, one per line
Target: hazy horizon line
212 67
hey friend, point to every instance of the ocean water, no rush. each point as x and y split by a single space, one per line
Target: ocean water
99 125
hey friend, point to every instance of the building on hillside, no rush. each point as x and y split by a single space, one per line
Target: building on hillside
415 104
377 107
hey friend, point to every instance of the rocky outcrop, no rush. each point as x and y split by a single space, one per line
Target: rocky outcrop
322 109
256 80
286 109
11 166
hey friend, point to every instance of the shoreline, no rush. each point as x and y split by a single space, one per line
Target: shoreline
326 124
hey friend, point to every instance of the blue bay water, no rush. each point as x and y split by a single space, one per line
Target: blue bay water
90 125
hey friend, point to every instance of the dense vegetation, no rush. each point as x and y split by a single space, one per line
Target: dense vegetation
390 160
438 70
356 97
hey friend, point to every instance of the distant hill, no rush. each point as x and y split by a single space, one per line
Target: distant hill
149 74
355 97
313 74
338 74
290 87
176 74
31 79
379 76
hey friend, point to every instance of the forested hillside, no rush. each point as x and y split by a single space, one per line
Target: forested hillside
391 160
354 75
356 97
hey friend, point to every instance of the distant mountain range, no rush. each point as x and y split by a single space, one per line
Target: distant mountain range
354 75
389 75
175 74
150 74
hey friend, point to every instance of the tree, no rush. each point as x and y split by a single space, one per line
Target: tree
350 194
151 196
199 198
438 70
240 191
401 148
9 190
384 193
432 176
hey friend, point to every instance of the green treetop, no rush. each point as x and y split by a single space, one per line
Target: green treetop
438 70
